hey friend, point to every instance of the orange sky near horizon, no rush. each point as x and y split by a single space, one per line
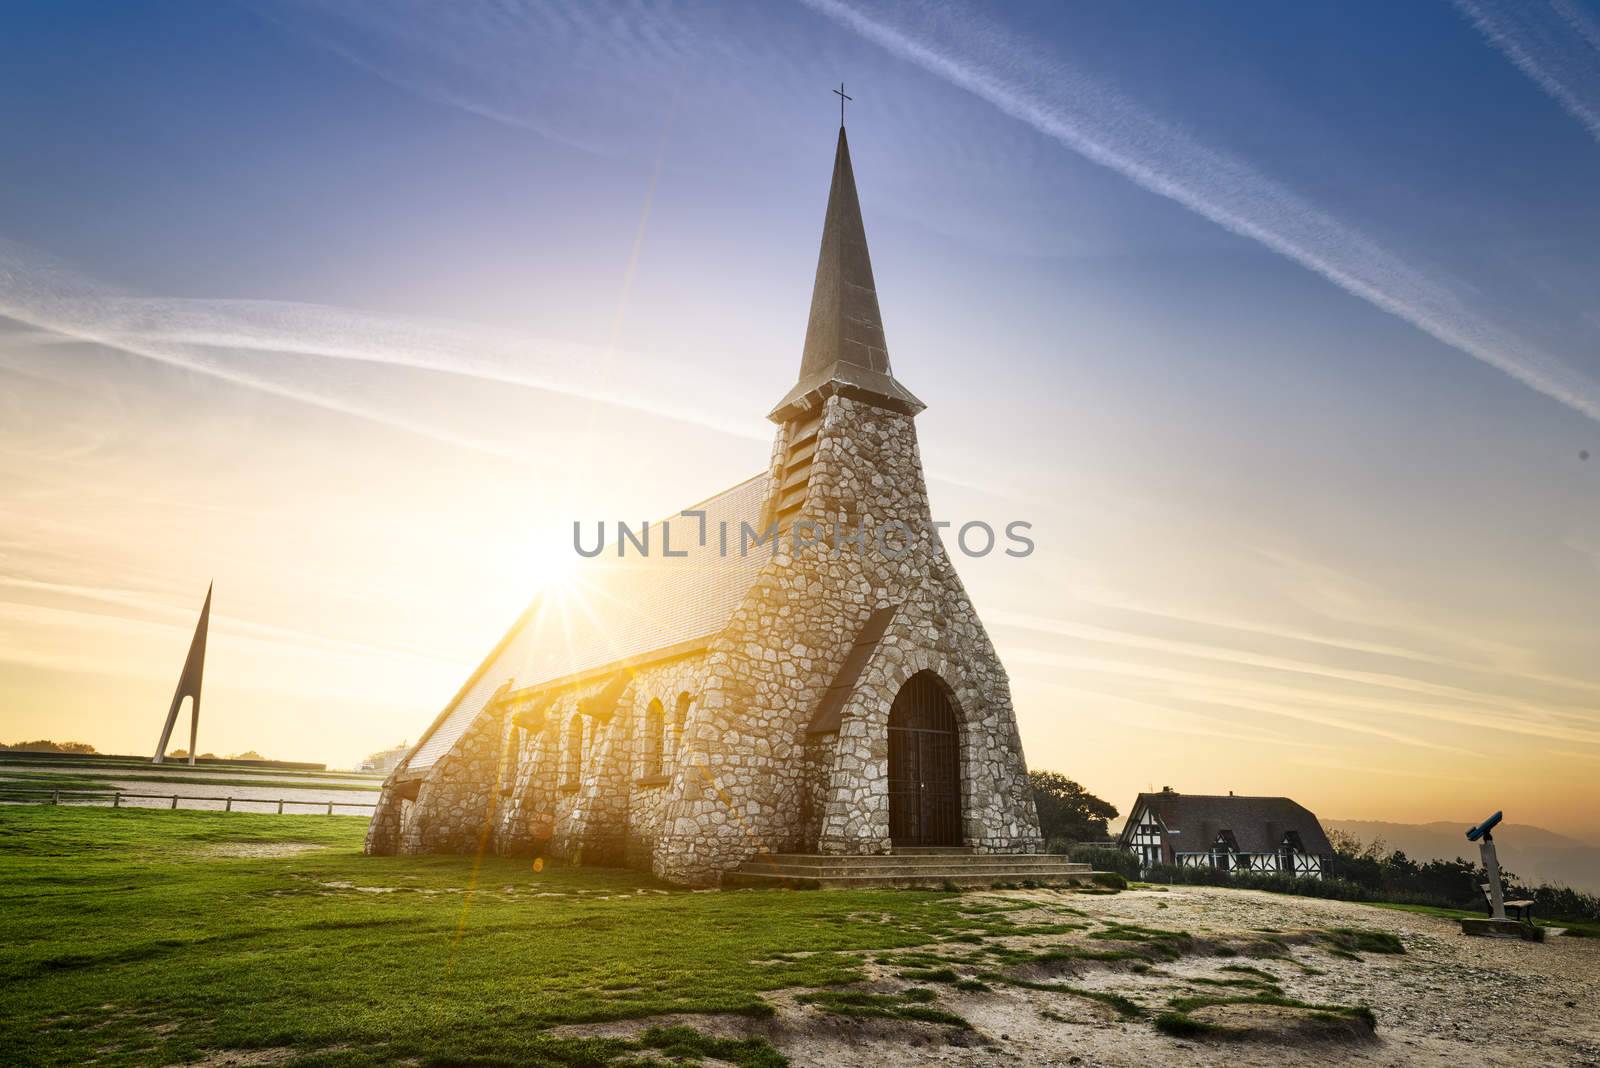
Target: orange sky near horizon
354 596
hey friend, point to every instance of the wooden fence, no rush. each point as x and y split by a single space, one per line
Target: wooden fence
47 795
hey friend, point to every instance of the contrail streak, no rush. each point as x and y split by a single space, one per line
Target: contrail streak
1562 57
1099 124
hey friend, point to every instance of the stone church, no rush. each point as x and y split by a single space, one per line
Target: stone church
826 691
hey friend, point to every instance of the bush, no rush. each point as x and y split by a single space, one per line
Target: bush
1105 858
1565 903
44 746
1276 882
1182 875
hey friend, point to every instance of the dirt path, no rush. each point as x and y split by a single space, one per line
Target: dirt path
1430 1001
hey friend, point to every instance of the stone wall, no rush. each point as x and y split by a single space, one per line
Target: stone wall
455 807
996 802
506 786
611 811
383 833
528 813
745 784
748 779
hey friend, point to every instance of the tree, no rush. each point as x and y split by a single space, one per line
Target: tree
1390 875
1356 862
42 746
1068 812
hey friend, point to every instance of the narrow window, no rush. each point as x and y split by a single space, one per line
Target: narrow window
680 719
573 765
654 720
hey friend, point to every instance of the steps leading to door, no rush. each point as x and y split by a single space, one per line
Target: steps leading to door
925 868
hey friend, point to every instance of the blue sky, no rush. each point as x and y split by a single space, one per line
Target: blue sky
1278 322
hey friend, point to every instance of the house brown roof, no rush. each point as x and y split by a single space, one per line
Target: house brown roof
1258 824
618 610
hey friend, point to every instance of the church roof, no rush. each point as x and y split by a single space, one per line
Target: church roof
1258 824
619 611
845 350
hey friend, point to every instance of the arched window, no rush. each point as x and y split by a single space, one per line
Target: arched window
572 759
654 719
680 719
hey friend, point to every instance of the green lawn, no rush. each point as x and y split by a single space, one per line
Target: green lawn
1579 928
137 937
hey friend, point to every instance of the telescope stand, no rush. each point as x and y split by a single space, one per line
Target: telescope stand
1496 925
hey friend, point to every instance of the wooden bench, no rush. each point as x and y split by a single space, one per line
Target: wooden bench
1521 911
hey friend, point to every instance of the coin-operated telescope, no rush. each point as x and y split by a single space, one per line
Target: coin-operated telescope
1482 830
1491 863
1497 925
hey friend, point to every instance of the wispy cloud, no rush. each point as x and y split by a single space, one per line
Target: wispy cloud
144 609
1556 44
509 62
236 340
1102 125
233 340
1291 701
1295 687
1172 717
1472 655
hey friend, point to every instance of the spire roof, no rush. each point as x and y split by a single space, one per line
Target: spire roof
845 349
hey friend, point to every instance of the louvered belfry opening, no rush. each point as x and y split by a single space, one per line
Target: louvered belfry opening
795 476
924 765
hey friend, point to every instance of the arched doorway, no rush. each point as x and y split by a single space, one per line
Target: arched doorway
924 765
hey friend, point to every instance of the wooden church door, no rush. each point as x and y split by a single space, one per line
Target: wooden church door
924 765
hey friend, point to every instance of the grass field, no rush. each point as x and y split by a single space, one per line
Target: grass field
138 937
213 939
1574 928
209 938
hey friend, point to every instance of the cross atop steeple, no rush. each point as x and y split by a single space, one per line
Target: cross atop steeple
839 92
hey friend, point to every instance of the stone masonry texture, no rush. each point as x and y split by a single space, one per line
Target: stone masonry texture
704 760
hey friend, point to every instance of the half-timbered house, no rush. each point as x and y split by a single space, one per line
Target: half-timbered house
1231 833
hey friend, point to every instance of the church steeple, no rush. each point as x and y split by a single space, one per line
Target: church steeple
845 351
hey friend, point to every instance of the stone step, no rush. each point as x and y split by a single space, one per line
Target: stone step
957 878
833 871
806 871
940 851
898 862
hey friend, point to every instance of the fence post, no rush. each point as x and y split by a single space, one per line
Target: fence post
174 800
229 806
280 806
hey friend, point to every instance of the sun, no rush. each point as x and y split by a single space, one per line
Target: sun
551 570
